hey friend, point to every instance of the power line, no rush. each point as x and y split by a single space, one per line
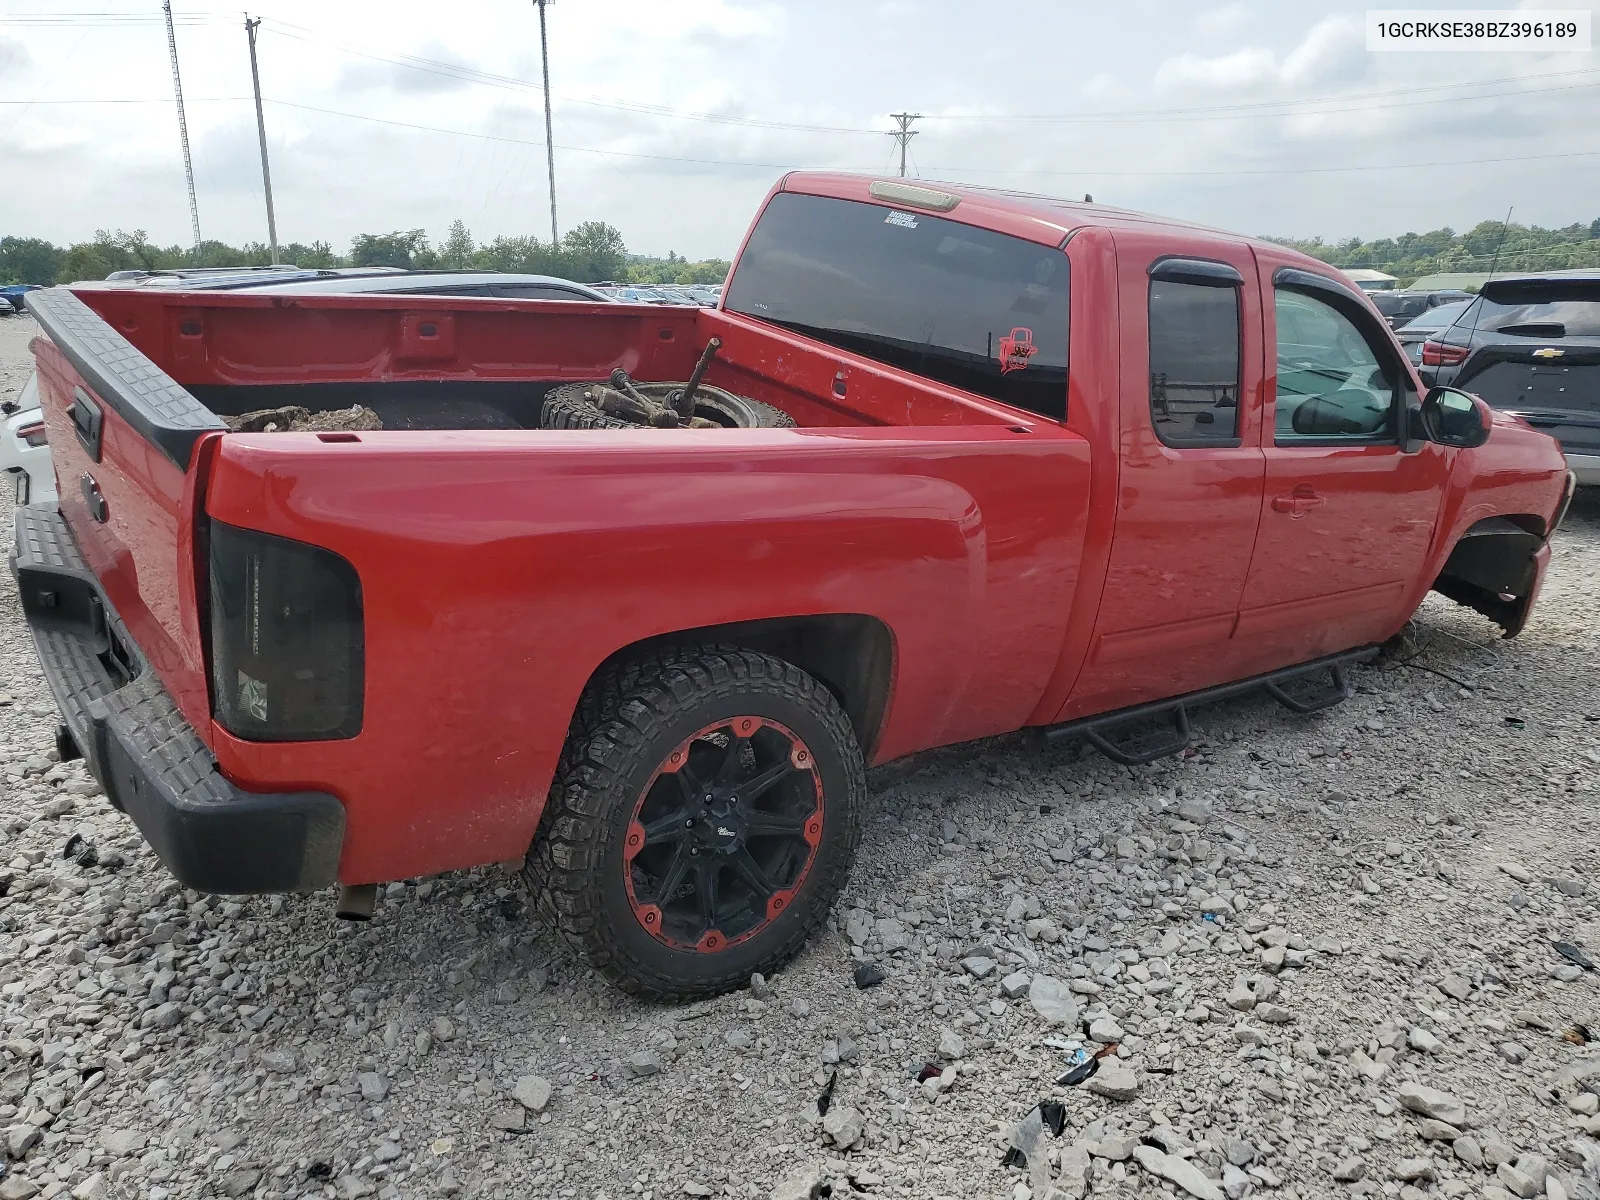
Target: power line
1261 104
964 170
1459 162
493 137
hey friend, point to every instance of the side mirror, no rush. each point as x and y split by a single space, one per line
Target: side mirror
1452 417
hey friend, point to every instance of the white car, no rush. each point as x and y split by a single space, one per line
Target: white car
24 454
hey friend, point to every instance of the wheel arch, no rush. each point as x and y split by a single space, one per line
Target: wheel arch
1495 558
851 654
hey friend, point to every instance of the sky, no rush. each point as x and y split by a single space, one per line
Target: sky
673 119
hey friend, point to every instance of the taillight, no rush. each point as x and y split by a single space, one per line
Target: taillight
32 435
287 649
1442 354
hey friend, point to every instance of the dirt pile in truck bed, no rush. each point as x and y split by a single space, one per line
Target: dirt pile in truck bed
293 419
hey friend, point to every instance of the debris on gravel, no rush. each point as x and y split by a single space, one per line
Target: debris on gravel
1317 977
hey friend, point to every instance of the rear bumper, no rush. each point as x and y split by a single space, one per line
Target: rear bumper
1586 467
213 836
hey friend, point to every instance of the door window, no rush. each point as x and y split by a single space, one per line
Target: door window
1194 363
1332 384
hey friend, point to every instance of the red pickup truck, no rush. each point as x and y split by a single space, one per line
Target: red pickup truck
1051 465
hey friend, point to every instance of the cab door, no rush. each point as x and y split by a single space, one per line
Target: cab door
1191 472
1349 510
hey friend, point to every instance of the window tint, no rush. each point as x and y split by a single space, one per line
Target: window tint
1332 386
965 306
1194 362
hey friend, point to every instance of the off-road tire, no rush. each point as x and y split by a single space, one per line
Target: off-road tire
568 407
628 721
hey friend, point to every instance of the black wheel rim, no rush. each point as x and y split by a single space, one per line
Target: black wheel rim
723 834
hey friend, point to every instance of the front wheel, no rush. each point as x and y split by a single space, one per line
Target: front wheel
702 821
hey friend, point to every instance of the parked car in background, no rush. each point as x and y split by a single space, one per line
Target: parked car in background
634 294
13 294
24 454
6 308
497 284
1429 324
1400 308
1531 346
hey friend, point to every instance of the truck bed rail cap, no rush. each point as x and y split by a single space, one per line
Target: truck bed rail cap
148 399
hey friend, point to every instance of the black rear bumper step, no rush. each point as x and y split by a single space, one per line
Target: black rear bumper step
212 835
140 392
1124 736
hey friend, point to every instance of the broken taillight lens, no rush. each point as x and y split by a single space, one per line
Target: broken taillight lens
1443 354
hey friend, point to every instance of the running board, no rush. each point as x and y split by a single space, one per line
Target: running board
1124 736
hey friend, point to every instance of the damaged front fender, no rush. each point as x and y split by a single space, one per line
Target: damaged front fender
1497 569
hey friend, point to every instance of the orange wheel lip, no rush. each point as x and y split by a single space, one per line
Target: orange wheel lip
713 941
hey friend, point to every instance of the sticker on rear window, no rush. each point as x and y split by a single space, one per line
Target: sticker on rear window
1016 348
903 219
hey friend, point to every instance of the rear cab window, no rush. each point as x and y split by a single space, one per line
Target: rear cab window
968 307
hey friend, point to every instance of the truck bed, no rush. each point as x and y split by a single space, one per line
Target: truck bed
442 362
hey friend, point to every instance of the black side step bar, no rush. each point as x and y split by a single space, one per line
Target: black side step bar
1119 736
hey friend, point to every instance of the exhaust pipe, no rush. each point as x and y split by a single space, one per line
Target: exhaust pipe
356 903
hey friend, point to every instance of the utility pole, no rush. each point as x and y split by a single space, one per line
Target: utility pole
549 137
904 134
183 125
261 131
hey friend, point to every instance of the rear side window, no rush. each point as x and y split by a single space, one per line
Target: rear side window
968 307
1194 363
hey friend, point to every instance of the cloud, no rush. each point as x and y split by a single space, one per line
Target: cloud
1218 21
410 80
14 58
1331 49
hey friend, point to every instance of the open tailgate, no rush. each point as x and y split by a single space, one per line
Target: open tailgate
126 442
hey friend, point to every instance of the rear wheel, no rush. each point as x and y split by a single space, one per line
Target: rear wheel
702 821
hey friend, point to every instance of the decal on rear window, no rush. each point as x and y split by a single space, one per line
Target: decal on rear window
902 219
1016 348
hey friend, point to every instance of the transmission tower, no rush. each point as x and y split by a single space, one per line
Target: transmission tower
903 134
549 138
183 125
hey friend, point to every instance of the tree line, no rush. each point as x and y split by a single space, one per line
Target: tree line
589 253
1506 247
594 251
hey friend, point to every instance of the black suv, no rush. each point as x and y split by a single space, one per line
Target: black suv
1531 346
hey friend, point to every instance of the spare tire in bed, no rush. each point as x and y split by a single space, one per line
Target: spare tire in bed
579 406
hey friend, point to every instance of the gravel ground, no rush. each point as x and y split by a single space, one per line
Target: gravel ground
1293 933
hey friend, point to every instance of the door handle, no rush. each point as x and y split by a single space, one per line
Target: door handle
1298 502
